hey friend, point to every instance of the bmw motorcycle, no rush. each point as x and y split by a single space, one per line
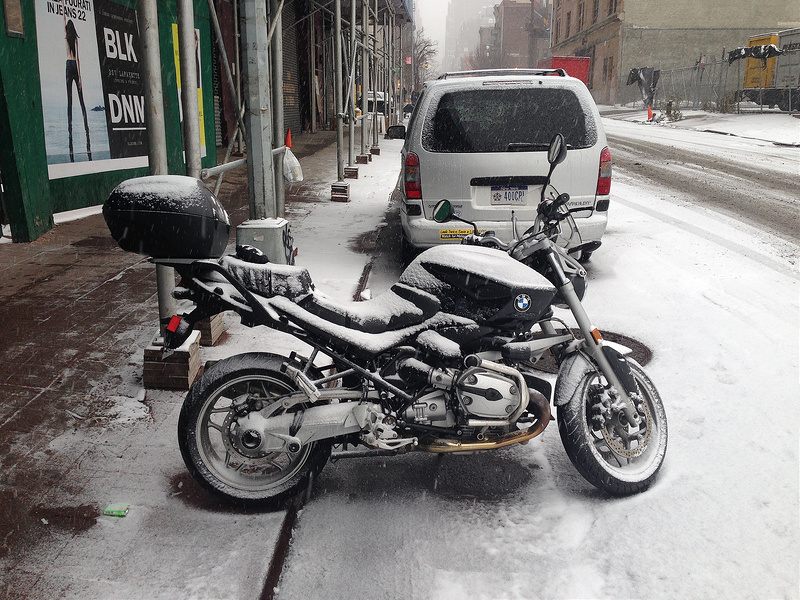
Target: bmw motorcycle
446 361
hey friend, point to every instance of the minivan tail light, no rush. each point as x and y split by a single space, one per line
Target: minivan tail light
604 177
411 178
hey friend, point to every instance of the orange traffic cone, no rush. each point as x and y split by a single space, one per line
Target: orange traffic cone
649 113
288 141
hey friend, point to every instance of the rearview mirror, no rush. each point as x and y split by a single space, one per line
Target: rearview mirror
443 211
557 151
396 132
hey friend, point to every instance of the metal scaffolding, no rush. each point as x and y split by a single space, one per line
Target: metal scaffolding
365 62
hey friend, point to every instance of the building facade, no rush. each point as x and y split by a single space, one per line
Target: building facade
619 35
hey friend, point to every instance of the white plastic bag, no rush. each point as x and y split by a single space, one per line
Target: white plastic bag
292 171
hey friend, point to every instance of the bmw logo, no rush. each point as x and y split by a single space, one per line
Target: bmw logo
522 303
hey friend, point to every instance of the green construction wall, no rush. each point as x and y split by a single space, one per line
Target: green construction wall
30 198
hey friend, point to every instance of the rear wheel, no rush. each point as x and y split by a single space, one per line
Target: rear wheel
611 454
222 454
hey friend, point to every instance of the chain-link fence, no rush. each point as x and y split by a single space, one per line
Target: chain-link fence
719 86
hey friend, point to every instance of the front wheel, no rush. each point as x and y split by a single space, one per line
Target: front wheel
222 455
611 454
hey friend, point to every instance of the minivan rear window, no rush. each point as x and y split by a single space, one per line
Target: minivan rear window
520 119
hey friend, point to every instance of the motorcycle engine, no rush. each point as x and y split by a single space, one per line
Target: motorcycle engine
487 394
475 393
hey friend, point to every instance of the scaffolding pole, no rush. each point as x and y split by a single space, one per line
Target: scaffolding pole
258 118
365 70
156 135
276 59
187 48
337 91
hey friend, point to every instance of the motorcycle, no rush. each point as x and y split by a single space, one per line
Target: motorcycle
443 362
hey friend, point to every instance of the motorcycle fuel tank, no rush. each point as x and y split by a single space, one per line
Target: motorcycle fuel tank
482 284
167 216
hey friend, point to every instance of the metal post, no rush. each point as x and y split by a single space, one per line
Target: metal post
187 45
312 36
393 65
351 84
259 111
387 63
365 73
375 76
237 44
156 135
276 56
337 92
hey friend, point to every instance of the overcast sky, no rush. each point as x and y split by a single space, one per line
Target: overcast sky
431 15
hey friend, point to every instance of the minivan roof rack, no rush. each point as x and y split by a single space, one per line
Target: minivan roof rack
503 73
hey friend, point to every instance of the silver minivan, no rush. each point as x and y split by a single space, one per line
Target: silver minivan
480 139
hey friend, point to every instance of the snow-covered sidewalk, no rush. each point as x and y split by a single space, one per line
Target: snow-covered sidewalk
176 541
770 125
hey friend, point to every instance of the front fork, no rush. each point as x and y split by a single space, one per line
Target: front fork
617 375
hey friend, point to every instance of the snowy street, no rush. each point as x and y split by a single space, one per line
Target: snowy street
717 302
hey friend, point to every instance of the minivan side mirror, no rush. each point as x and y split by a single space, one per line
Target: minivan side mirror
396 132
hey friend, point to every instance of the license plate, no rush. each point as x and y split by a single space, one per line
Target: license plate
514 195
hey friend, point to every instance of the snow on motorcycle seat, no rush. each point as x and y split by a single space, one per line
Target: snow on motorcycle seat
167 216
270 279
399 307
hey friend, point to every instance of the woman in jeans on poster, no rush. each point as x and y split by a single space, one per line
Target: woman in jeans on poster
74 75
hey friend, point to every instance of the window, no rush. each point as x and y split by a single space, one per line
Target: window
569 23
580 17
595 10
558 30
612 7
491 120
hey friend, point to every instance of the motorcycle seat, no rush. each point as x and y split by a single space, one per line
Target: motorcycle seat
270 279
400 307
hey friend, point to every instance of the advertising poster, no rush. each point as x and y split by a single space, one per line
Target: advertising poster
92 88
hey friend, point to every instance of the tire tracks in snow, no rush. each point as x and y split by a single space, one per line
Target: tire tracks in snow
757 196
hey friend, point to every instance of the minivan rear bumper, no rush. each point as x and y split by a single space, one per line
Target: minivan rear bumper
425 233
